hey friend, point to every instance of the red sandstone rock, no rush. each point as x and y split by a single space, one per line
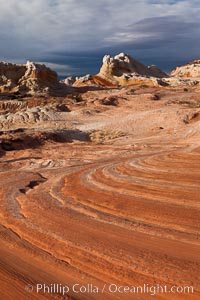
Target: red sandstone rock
102 194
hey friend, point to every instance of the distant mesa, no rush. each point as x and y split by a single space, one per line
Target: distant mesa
29 78
189 70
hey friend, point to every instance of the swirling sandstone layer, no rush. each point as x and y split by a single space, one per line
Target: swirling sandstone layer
120 213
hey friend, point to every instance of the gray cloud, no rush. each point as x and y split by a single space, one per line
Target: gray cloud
75 34
167 40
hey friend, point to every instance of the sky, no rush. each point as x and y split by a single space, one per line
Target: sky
72 36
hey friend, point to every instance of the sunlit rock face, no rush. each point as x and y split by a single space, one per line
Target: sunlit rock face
30 77
123 70
189 70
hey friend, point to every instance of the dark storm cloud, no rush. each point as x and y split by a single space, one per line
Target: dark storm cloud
166 41
73 35
171 2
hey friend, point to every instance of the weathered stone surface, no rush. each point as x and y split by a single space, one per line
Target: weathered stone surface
30 77
78 81
123 70
189 70
117 208
19 115
121 207
181 81
10 75
69 80
38 76
84 78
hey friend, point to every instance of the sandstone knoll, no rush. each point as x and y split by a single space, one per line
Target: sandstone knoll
123 70
189 70
101 187
26 78
120 70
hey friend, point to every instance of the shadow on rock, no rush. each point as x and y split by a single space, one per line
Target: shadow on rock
22 139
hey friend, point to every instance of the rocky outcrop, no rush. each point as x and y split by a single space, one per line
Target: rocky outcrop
189 70
69 80
10 75
12 106
157 72
38 77
84 79
123 70
181 81
78 81
20 116
30 77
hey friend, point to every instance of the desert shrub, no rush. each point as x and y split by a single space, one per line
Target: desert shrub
113 101
62 107
155 97
78 98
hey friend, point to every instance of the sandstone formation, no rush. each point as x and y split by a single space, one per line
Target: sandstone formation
123 70
24 117
12 106
84 81
181 81
10 74
69 80
122 208
38 77
189 70
100 187
28 78
79 81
